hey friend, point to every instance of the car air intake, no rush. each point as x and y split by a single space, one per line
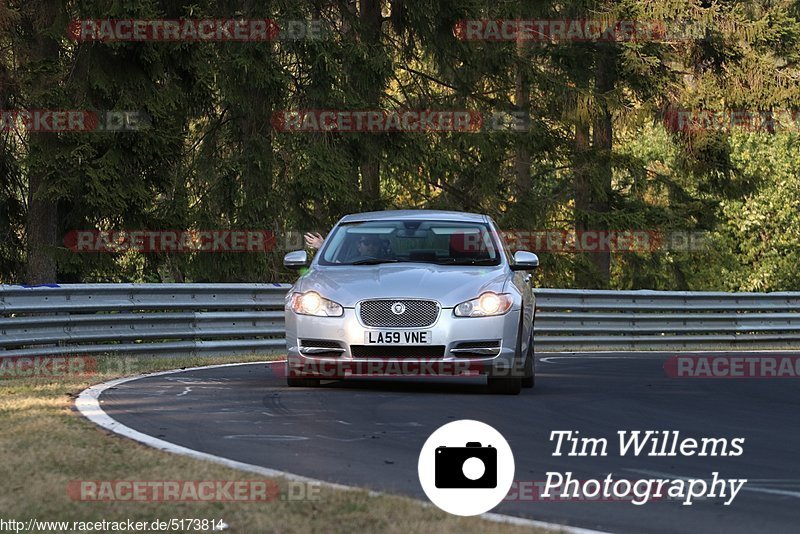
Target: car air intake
399 313
476 349
321 347
421 352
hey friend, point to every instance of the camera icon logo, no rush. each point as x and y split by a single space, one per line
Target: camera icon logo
472 466
463 476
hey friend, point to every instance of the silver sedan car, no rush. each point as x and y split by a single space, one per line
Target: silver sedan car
412 292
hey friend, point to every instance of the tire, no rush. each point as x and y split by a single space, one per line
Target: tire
503 385
529 374
509 385
302 382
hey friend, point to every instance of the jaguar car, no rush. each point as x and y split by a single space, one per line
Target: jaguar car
404 290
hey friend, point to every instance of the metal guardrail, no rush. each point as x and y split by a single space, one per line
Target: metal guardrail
209 319
575 320
186 319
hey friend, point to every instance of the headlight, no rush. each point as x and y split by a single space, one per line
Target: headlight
486 305
311 303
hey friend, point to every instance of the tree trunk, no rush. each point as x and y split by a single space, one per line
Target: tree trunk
370 162
42 216
602 141
583 192
522 97
42 222
593 173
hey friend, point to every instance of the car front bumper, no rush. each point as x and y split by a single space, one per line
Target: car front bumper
334 347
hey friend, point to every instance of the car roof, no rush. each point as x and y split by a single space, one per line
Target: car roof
440 215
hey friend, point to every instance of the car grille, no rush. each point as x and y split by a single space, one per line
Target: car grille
418 313
422 352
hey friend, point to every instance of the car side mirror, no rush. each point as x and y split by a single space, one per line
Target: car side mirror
296 260
525 261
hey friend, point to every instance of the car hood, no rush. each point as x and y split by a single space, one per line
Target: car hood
447 284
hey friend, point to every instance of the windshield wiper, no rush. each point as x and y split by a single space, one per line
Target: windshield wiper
467 261
373 261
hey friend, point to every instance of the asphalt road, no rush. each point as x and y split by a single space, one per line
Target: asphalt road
369 433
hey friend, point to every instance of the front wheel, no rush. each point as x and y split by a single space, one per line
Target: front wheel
528 374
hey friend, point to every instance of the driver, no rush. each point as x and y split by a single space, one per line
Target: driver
369 246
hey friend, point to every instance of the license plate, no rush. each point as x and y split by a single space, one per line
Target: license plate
397 337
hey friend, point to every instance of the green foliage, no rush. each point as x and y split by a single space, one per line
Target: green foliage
761 232
211 159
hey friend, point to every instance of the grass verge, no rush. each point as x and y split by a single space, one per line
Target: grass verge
45 444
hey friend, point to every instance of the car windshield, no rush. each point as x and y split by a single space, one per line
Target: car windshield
440 242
